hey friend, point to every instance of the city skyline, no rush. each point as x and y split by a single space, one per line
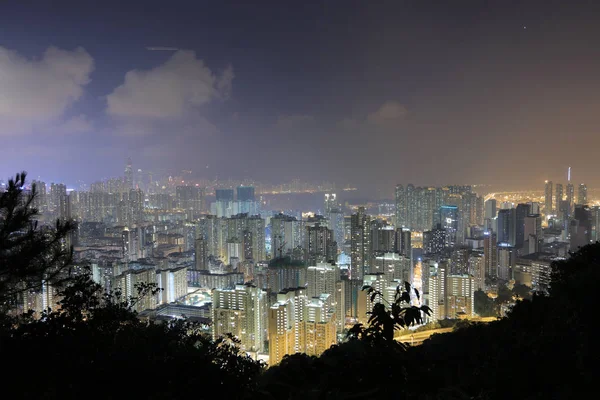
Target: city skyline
370 95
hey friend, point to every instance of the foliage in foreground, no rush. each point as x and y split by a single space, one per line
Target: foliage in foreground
29 254
544 349
96 344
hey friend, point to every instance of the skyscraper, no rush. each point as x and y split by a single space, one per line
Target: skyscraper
319 245
490 209
400 206
243 312
190 198
330 202
490 252
284 321
449 222
507 226
580 228
360 246
435 240
521 212
336 224
286 235
548 203
570 192
559 196
245 193
451 296
128 175
582 194
223 205
595 214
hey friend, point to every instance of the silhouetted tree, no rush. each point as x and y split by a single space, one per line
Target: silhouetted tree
521 291
95 345
484 305
386 317
29 254
550 337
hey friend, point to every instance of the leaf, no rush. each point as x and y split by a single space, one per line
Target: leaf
407 286
417 294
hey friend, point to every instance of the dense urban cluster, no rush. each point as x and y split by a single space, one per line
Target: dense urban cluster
291 282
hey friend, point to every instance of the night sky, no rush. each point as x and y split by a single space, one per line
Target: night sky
370 93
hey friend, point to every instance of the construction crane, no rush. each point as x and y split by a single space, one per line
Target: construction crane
280 249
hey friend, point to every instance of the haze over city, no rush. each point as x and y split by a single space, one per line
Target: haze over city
368 94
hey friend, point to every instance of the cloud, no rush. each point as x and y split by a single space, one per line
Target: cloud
35 91
181 84
287 122
389 113
348 124
76 124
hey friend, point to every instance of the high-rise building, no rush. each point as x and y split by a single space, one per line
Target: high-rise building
379 282
582 194
284 273
319 245
318 326
394 266
400 206
558 197
136 207
450 222
246 201
243 312
249 231
490 252
324 278
330 202
336 224
521 212
128 282
548 203
284 320
534 236
129 175
245 193
173 282
507 256
223 205
190 198
477 269
40 201
383 238
59 200
435 240
534 207
360 246
403 242
286 235
201 254
507 225
451 296
595 214
580 228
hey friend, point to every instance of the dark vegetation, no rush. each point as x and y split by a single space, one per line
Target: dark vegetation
95 346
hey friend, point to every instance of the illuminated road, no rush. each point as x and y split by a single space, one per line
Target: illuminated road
418 338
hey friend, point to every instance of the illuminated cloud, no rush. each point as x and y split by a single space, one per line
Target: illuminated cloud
389 113
181 84
40 90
